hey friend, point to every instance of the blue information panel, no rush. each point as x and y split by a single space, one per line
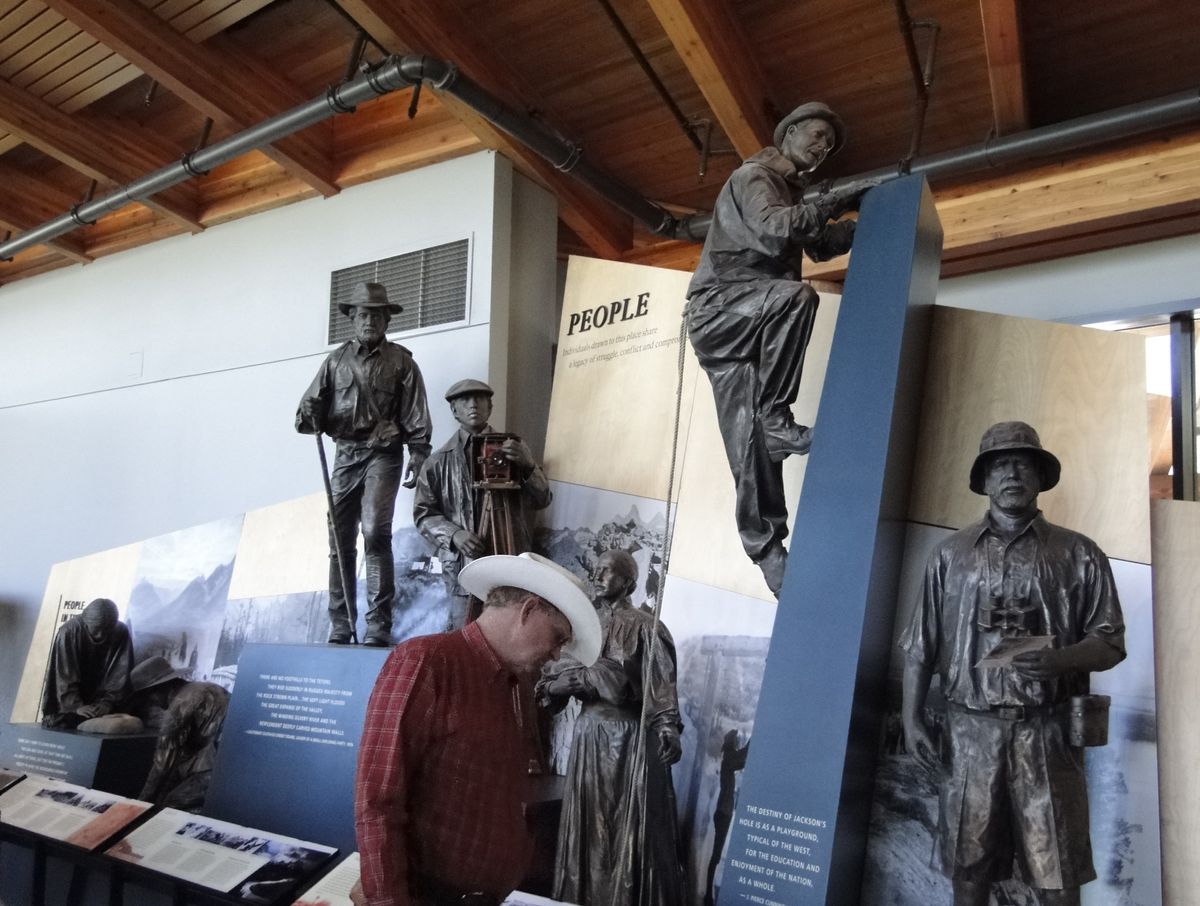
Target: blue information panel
112 764
290 742
799 834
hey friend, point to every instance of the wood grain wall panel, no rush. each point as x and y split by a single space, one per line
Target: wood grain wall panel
1175 529
1082 389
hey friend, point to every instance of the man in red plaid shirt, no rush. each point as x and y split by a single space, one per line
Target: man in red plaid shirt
443 763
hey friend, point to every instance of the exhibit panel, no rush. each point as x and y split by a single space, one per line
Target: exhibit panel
1176 536
798 836
722 637
990 368
612 420
295 718
1097 442
612 411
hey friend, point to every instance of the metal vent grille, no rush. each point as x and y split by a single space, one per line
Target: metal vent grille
431 285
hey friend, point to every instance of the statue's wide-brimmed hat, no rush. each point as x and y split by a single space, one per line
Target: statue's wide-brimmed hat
547 580
468 387
1003 437
154 671
369 295
814 110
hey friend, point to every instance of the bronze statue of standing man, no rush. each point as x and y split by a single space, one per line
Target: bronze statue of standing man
1013 783
370 398
749 318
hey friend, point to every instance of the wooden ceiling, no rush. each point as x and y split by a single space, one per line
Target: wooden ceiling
105 91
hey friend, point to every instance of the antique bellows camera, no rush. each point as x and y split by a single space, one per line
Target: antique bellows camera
491 470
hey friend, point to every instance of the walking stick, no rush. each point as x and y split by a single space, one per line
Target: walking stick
348 592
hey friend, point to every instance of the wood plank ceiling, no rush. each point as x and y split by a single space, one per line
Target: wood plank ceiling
95 93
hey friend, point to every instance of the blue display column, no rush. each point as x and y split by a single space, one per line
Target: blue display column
800 830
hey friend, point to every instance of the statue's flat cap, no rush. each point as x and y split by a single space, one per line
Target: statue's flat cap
1004 437
369 295
468 387
809 111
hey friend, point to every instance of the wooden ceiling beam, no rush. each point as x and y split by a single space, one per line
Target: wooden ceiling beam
223 85
12 221
401 25
104 151
31 262
1149 189
28 202
707 36
1006 69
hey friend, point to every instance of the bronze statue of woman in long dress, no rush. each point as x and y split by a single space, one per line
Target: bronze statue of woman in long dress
618 837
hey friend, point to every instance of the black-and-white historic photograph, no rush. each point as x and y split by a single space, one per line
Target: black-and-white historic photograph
177 605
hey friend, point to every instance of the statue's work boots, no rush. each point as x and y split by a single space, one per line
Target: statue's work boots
783 437
773 564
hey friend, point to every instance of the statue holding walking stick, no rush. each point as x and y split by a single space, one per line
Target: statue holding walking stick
370 398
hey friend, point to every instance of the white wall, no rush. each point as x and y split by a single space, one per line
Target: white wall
1131 282
156 389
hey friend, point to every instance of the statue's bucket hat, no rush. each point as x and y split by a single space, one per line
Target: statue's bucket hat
1005 436
369 295
814 110
547 580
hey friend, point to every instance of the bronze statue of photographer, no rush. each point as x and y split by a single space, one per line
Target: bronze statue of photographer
476 494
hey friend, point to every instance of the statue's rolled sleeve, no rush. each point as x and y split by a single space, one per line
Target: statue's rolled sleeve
536 489
319 393
414 417
920 639
1104 619
431 521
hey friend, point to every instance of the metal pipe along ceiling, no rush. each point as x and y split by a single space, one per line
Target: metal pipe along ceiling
403 71
341 99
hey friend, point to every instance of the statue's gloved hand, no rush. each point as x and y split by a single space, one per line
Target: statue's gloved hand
1050 662
567 683
87 712
468 543
670 750
518 453
846 197
415 461
920 745
311 412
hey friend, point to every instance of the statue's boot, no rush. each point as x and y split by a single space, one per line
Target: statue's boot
339 614
783 437
773 563
381 592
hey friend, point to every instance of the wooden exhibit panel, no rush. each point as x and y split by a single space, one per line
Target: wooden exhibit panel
1084 392
284 549
71 586
706 545
1175 531
615 377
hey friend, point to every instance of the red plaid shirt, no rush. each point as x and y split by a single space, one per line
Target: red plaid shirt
441 771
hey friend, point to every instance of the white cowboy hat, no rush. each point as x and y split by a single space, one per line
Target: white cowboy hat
547 580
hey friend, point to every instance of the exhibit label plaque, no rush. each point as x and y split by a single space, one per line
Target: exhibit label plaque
290 743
